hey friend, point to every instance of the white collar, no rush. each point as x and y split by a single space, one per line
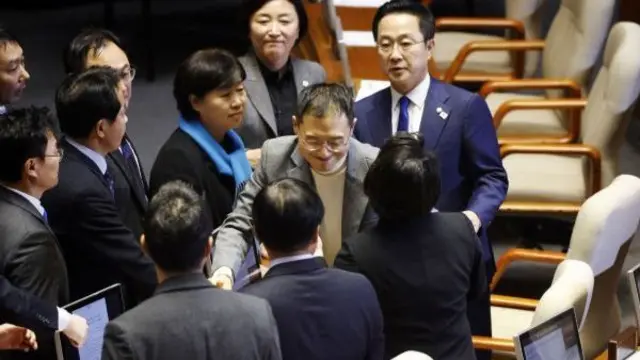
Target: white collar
3 109
417 96
96 157
288 259
32 199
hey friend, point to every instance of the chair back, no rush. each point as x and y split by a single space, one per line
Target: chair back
603 230
575 40
530 13
612 97
571 286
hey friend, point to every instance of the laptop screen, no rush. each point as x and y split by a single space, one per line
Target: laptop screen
555 339
97 309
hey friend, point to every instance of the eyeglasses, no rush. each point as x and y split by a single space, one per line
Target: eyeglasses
404 45
59 153
313 144
128 73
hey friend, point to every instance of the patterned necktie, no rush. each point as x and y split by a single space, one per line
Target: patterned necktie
403 117
110 182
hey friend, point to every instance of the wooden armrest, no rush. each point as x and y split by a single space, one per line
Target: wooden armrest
488 45
573 90
472 22
489 343
592 153
572 105
517 254
514 302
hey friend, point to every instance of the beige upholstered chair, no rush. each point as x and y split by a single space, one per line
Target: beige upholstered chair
569 53
571 287
557 178
601 236
522 21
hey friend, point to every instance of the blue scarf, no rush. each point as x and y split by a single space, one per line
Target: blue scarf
233 164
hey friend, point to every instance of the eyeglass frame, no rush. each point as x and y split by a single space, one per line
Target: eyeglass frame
325 144
127 74
59 153
403 48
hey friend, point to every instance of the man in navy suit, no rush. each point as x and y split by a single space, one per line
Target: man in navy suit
456 125
321 313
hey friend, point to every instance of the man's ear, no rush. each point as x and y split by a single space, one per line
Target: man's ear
143 244
195 102
31 168
100 128
208 247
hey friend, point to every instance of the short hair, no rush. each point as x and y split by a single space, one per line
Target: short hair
303 21
84 99
7 37
286 213
23 135
323 99
202 72
76 52
404 180
176 230
425 16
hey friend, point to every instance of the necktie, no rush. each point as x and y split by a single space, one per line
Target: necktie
403 117
44 216
109 179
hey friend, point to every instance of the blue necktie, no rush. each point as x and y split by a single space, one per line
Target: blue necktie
403 117
109 179
44 216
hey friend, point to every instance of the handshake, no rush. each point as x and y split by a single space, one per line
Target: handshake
223 277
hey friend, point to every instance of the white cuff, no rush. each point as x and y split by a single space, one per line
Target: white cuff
224 271
63 319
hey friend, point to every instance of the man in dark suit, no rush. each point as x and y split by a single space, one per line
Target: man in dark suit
425 266
187 317
99 47
30 257
99 249
14 75
456 124
323 314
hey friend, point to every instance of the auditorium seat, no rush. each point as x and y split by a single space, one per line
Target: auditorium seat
557 178
569 53
587 277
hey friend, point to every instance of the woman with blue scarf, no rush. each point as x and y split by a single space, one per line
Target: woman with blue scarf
205 151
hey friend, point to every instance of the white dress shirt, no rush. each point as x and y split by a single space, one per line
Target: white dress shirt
417 98
96 157
288 259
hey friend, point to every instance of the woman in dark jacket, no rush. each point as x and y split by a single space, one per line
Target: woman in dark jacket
205 151
424 265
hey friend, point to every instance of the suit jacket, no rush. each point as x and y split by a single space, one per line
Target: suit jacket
131 190
259 122
22 308
281 159
322 314
465 142
99 249
424 271
31 260
181 158
188 318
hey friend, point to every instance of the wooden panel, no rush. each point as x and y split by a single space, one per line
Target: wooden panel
356 18
630 10
364 63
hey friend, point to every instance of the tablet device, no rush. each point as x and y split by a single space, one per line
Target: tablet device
98 308
633 276
554 339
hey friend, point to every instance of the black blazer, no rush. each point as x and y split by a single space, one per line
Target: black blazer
322 314
31 260
181 158
99 249
188 318
131 189
424 272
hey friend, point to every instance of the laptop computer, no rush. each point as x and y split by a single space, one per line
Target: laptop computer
554 339
98 308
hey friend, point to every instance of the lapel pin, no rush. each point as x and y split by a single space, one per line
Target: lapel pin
305 83
439 110
443 115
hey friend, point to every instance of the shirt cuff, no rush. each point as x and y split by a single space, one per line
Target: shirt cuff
63 319
224 271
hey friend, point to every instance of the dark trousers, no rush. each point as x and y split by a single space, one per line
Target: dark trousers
479 313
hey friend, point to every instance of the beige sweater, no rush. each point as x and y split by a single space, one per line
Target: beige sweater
330 187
